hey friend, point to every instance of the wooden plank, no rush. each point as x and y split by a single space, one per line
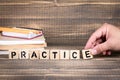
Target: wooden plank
60 72
60 64
60 77
95 11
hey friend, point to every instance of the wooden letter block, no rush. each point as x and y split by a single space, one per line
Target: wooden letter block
13 54
44 54
64 54
23 54
87 54
74 54
34 54
54 54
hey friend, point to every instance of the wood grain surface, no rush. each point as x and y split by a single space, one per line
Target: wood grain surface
67 24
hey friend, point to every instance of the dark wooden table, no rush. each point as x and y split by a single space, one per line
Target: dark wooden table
67 24
100 67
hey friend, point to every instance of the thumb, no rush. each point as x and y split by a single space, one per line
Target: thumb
100 48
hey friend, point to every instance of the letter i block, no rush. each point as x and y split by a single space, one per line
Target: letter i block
64 54
23 54
13 54
44 54
54 54
87 54
74 54
34 54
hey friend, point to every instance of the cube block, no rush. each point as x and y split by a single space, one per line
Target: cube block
13 54
74 54
87 54
44 54
64 54
54 54
23 54
33 54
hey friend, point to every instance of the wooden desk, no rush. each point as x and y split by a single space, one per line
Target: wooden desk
101 67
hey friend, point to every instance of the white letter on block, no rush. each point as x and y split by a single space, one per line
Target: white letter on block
74 54
64 54
23 54
34 54
87 54
44 54
54 54
13 54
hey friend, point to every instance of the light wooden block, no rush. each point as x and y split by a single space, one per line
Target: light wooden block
23 54
54 54
87 54
74 54
44 54
13 54
64 54
34 54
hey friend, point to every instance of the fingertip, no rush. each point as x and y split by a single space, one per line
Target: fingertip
109 53
93 51
104 53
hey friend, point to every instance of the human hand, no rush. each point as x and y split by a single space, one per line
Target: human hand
104 40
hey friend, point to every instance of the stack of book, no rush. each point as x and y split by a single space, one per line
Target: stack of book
21 38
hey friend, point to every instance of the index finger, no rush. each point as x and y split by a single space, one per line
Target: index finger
96 35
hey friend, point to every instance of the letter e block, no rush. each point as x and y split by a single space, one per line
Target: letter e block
54 54
13 54
87 54
64 54
74 54
44 54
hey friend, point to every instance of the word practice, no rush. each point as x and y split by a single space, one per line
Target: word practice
50 54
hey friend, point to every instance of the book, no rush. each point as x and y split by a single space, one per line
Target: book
29 46
21 38
17 41
25 33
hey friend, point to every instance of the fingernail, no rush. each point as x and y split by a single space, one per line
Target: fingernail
94 52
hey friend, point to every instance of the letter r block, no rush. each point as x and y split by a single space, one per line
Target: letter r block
87 54
23 54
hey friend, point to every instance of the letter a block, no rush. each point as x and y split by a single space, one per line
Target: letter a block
44 54
23 54
13 54
54 54
33 54
87 54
